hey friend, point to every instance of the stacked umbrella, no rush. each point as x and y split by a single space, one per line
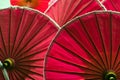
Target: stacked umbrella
71 40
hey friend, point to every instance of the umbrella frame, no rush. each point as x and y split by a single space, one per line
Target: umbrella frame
110 75
9 62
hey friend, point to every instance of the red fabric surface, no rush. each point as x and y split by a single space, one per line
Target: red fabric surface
86 48
112 4
25 36
64 10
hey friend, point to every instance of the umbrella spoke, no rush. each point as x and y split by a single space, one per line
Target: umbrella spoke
4 47
87 46
73 64
18 28
39 29
23 74
75 73
46 37
101 37
110 14
30 66
9 28
25 35
115 65
82 8
91 41
25 71
17 75
27 30
30 55
31 60
92 57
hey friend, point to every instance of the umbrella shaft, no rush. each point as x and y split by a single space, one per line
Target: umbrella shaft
4 71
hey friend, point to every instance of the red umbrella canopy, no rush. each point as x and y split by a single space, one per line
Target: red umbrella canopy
112 4
87 48
36 4
25 35
65 10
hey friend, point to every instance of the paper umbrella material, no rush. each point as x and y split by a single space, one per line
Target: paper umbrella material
25 35
87 48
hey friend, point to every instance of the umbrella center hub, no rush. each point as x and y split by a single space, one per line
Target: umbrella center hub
110 76
9 63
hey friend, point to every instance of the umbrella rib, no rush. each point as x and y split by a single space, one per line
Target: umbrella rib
30 49
36 43
28 28
9 33
118 72
32 61
101 38
31 55
110 40
82 8
117 66
18 27
12 75
29 66
74 64
3 41
117 54
17 75
23 70
91 41
84 49
66 16
73 73
24 74
39 29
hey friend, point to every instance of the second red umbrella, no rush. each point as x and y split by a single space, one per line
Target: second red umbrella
87 48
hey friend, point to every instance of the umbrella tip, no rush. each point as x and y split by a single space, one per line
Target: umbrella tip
9 63
110 75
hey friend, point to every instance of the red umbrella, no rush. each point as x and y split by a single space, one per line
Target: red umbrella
65 10
112 4
36 4
25 35
86 48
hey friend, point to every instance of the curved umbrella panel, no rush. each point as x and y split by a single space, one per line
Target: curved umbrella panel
112 4
36 4
86 48
65 10
24 37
